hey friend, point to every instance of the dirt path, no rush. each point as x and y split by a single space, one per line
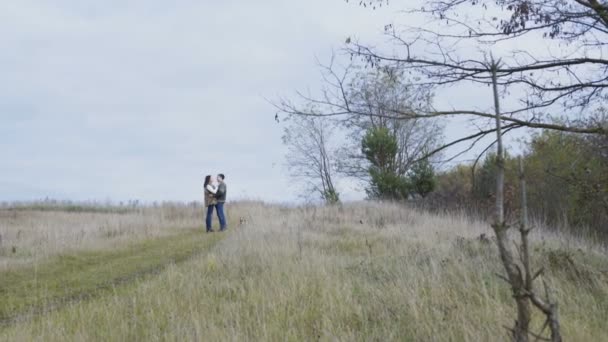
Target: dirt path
29 292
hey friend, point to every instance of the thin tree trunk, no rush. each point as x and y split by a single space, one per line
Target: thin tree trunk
520 331
500 163
523 305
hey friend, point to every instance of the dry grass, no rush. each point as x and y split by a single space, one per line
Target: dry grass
361 272
29 235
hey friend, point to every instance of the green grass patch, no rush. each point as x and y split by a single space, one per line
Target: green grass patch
83 275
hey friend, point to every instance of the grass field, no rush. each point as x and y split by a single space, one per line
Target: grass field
361 272
29 234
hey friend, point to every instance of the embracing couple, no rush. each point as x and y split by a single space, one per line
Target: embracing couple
215 197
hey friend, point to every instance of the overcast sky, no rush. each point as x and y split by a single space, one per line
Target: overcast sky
128 100
139 99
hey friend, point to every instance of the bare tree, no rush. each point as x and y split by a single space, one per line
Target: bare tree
570 81
371 91
310 156
519 277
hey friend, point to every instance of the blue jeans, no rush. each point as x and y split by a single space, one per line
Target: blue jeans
219 207
209 217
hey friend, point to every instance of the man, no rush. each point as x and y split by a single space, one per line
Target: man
220 196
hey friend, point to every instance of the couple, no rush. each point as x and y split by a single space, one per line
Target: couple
215 196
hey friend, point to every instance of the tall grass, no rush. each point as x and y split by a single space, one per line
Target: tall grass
31 232
359 272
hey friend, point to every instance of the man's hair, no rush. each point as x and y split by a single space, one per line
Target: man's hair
221 175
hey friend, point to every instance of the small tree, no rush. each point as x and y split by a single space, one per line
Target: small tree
387 185
422 178
379 146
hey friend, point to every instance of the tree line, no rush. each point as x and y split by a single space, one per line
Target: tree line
567 183
390 157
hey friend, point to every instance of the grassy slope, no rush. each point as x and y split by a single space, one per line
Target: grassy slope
82 275
321 275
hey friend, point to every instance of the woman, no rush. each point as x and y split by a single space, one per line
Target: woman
210 201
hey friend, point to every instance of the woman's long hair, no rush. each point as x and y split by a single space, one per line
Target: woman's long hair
207 181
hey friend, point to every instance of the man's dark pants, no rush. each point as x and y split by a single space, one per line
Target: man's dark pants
219 207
